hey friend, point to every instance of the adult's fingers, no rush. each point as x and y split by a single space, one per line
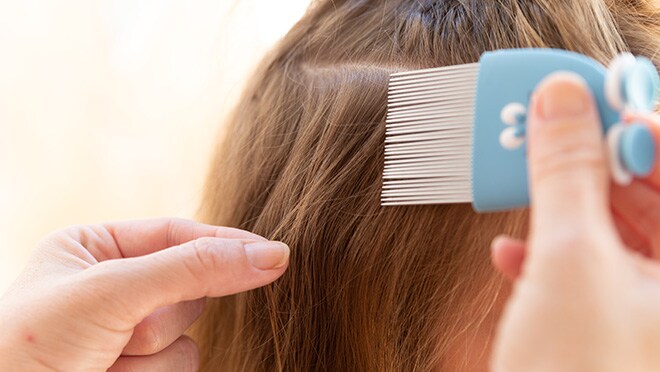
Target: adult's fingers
508 255
204 267
568 172
137 238
567 163
163 327
182 355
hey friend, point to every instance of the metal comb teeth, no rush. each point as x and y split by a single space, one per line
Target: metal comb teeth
428 144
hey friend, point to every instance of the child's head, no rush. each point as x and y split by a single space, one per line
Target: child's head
371 287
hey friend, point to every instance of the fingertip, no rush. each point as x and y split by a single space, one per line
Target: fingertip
497 245
559 96
268 255
507 255
562 94
496 255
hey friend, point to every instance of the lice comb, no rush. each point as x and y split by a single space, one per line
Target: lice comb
456 134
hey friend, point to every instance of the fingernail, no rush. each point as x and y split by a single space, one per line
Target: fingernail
267 255
563 95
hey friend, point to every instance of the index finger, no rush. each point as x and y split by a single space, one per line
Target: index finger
138 238
652 121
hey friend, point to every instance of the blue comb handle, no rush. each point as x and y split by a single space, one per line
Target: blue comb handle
499 175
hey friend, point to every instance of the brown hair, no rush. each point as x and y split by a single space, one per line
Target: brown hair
370 287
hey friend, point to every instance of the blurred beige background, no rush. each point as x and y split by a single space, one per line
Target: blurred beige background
109 109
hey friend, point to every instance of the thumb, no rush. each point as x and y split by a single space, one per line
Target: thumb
203 267
567 159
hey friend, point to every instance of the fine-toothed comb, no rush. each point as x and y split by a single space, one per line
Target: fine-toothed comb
456 134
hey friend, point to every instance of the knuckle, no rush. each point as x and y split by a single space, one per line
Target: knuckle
208 254
568 158
178 229
172 230
209 258
54 241
57 236
65 237
95 239
75 231
204 259
98 240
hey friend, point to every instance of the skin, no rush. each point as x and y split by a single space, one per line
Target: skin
120 295
586 295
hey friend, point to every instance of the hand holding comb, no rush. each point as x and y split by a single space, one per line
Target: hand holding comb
456 134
